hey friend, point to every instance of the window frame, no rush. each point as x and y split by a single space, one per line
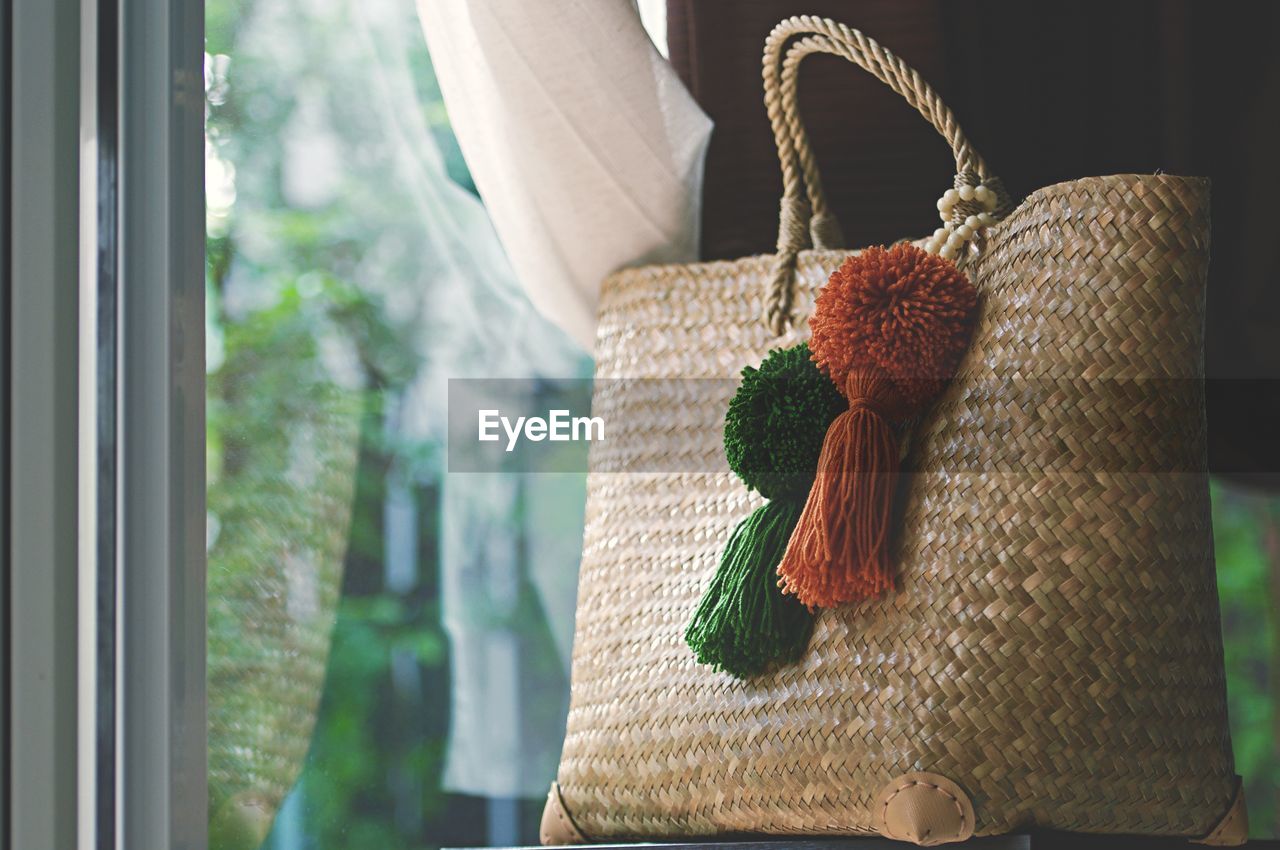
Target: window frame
102 333
160 450
41 452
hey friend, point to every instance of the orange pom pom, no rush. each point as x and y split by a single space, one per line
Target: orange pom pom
889 329
900 310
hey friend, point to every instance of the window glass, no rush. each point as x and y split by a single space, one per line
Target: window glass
388 643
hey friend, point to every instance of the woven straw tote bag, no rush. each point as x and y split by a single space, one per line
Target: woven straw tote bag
1051 655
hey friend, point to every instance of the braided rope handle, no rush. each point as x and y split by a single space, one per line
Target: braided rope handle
804 216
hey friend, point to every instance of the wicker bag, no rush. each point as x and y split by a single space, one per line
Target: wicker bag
1051 656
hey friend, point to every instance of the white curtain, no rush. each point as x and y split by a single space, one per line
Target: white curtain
508 575
583 143
587 151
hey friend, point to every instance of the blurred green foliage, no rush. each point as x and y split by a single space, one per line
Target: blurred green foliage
1246 525
345 786
300 333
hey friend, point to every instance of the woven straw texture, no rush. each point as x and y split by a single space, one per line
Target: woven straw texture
1053 644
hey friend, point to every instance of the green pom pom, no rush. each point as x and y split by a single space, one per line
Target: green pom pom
745 622
776 422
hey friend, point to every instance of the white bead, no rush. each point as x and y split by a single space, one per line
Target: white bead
981 193
986 219
942 204
945 215
972 222
940 233
947 252
990 201
966 193
955 240
964 231
933 245
951 196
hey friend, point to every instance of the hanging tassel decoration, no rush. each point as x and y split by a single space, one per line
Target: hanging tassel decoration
773 434
744 622
889 329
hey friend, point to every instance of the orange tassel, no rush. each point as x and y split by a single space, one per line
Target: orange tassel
839 552
889 329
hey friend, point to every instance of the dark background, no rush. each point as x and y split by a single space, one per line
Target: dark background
1046 92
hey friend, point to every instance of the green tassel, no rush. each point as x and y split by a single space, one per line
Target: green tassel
745 622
